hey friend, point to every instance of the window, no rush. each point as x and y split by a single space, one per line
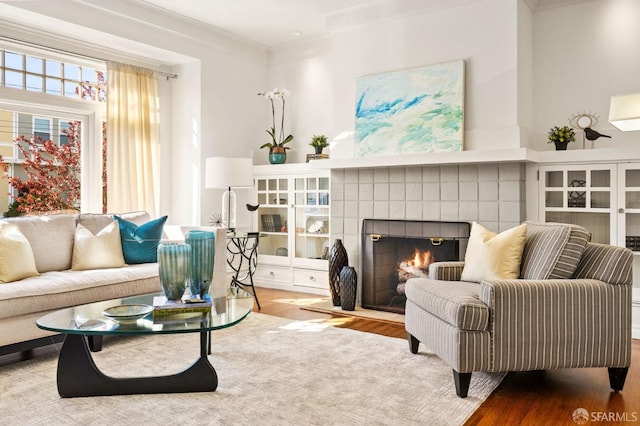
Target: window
39 74
76 88
41 128
63 136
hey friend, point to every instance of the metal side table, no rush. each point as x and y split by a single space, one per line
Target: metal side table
242 249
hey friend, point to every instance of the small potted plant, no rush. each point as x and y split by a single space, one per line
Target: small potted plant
561 136
277 148
318 142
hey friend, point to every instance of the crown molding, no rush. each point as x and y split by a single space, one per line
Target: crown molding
382 10
538 5
135 28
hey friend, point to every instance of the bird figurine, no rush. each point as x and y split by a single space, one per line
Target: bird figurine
592 135
252 208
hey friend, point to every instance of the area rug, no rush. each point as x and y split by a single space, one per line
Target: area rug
326 306
272 371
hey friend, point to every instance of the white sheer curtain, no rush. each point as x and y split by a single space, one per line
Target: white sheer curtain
132 139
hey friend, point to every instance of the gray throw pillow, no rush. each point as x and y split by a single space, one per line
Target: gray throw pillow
552 250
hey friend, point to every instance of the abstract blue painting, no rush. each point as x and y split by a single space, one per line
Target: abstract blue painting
409 111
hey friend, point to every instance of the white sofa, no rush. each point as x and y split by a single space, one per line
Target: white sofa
51 238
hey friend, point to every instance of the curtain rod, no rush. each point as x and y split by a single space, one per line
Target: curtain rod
78 55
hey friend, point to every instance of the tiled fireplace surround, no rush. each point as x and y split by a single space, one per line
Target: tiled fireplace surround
493 194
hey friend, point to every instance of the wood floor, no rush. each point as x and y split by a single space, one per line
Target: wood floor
523 398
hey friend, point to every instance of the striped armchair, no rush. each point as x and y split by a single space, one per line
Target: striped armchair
572 310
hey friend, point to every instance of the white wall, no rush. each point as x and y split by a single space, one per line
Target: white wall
525 73
308 71
483 33
583 54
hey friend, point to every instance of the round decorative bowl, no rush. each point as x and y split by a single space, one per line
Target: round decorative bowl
127 313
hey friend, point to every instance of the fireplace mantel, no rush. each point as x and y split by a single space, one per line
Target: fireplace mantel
517 155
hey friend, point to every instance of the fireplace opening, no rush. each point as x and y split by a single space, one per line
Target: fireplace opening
395 251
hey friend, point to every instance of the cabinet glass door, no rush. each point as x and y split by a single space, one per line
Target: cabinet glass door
582 195
629 211
311 220
273 216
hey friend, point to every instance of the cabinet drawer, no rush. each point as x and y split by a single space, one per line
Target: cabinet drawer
273 273
311 278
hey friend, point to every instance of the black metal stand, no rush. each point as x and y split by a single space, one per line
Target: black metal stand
78 374
243 259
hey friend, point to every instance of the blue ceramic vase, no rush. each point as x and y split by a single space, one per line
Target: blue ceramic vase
203 245
174 268
277 155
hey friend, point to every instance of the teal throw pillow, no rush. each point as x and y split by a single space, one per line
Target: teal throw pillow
140 242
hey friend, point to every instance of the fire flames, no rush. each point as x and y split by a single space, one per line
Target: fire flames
414 267
421 260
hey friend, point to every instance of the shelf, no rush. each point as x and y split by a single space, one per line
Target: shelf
598 155
514 155
306 234
433 158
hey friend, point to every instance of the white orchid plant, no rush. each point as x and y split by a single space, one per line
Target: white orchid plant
276 139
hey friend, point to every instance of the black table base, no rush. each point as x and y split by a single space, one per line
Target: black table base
243 249
78 374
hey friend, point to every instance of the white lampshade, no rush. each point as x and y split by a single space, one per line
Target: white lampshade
224 172
624 112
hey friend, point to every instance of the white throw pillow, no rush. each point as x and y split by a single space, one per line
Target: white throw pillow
16 257
99 251
492 256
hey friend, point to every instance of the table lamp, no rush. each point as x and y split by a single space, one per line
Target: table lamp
227 173
624 112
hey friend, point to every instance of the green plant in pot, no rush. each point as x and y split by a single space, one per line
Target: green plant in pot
319 142
277 148
561 136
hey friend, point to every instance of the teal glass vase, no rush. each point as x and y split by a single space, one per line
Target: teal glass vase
203 247
174 268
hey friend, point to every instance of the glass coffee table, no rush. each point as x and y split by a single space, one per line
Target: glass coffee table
78 374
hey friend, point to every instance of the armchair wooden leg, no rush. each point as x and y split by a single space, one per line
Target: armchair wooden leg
413 343
617 377
462 381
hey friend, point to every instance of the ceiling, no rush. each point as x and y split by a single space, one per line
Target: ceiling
268 22
276 22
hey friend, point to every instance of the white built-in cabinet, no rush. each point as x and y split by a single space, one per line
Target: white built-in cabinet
293 219
602 197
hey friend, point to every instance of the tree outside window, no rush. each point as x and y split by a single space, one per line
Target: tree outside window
53 174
